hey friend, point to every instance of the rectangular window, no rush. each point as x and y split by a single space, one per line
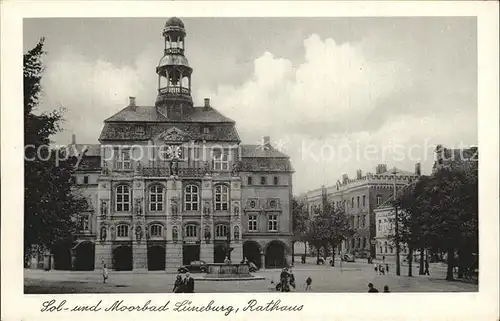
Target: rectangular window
364 200
364 220
263 180
379 200
364 242
191 230
123 160
276 180
249 180
352 202
206 130
273 223
357 201
156 230
221 198
85 179
221 161
357 221
379 225
122 231
252 223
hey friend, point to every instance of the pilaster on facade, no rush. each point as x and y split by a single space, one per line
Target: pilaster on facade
173 256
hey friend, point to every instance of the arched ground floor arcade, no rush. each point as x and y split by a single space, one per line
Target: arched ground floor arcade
160 255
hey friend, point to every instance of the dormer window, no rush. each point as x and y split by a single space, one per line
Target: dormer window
123 160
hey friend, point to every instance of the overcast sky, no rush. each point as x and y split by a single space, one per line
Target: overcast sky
335 94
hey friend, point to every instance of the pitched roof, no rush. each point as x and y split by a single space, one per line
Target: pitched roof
150 114
388 202
137 114
258 151
87 149
127 131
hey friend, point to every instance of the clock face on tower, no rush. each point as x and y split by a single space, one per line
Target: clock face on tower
173 151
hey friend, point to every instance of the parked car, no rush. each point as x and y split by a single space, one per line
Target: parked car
195 266
348 258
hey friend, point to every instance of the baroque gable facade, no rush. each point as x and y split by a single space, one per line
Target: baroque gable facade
174 184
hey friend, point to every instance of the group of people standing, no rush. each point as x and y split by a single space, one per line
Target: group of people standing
184 285
287 280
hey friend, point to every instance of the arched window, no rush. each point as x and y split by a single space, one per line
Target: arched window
191 230
221 230
191 198
122 199
122 230
156 198
221 198
156 230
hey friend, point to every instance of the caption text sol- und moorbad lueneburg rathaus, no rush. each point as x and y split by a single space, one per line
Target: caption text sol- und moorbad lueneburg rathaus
171 183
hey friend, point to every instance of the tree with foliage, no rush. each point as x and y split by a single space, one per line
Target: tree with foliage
50 207
441 212
300 218
329 228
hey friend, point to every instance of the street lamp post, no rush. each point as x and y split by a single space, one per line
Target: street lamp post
396 228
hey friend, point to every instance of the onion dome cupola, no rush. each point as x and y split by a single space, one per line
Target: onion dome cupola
174 73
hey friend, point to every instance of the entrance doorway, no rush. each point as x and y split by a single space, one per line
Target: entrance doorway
122 258
251 250
190 253
85 256
275 255
156 258
219 253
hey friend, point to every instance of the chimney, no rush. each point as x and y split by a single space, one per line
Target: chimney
345 178
207 102
73 139
359 174
131 101
266 141
417 169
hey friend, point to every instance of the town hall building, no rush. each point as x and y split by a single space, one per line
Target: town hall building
171 183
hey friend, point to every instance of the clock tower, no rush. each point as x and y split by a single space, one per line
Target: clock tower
174 74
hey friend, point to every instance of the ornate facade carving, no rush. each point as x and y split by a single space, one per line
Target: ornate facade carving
175 233
104 208
206 208
174 207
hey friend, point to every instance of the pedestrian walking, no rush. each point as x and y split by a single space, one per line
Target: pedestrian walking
426 271
188 284
381 269
104 273
383 258
386 289
178 285
371 289
375 267
308 283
